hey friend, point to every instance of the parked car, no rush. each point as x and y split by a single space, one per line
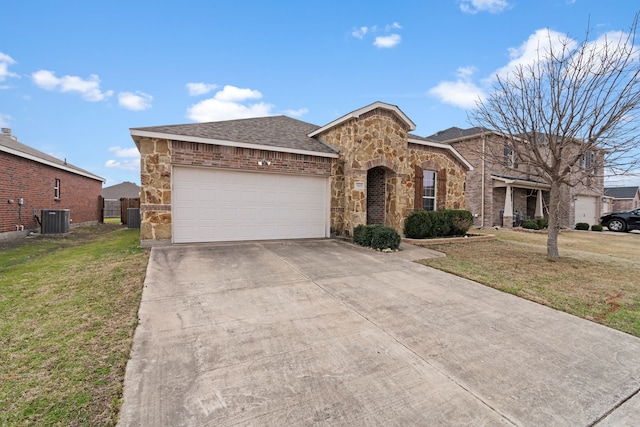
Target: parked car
621 221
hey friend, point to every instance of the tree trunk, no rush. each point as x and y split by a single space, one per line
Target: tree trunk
554 221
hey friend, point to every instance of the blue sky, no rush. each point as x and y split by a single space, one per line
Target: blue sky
76 75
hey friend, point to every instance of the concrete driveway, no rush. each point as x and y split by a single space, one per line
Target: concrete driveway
297 333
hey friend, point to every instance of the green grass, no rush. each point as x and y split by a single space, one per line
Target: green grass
68 310
597 276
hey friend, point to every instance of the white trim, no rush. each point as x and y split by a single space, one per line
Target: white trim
357 113
170 136
444 147
520 183
49 163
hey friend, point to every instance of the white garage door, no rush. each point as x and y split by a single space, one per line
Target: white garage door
585 209
213 205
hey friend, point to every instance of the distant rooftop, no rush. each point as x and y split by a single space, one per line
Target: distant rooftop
621 192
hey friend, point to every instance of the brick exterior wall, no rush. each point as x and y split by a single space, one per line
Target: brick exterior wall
34 183
159 155
376 195
494 191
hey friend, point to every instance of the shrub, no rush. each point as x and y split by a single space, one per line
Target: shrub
418 225
596 227
385 238
360 235
582 226
363 234
531 224
542 223
461 222
448 222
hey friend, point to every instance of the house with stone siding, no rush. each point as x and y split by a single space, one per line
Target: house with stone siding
503 191
281 178
31 181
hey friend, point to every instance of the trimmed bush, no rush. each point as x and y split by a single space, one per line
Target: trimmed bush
582 226
596 227
385 238
360 235
542 223
376 236
418 225
531 224
448 222
461 221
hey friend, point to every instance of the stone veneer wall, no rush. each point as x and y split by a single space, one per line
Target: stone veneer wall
379 138
158 155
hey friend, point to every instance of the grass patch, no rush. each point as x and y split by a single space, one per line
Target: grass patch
68 310
597 276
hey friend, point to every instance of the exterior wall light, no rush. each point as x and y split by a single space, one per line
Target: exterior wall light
264 162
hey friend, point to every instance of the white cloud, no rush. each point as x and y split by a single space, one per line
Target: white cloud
5 61
125 152
381 41
137 101
228 104
533 49
387 41
89 89
4 120
200 88
491 6
128 165
297 113
131 158
394 26
463 94
360 32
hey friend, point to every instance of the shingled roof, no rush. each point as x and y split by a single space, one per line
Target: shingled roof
10 144
127 190
280 132
455 133
622 192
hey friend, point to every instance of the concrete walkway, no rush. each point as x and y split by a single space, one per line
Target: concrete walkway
300 333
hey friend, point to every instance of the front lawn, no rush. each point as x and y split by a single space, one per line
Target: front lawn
68 310
597 276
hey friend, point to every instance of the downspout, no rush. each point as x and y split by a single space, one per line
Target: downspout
484 138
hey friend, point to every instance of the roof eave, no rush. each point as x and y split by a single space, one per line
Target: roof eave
443 146
357 113
51 164
136 134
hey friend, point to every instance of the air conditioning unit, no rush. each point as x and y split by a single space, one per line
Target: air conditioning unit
55 221
133 217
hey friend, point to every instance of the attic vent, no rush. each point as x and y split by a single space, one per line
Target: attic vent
6 131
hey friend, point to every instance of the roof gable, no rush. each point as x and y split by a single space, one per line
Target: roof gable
364 110
278 133
10 144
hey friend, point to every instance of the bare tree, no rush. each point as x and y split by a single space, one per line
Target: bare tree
577 105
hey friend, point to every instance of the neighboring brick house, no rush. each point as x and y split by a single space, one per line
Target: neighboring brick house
31 180
623 198
503 191
278 177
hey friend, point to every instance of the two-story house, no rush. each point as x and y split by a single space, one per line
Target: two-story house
502 190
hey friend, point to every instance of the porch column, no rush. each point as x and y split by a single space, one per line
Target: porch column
539 213
507 216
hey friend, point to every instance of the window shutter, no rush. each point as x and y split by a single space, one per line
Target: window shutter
441 189
417 205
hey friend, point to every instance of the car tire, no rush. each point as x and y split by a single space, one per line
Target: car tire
616 224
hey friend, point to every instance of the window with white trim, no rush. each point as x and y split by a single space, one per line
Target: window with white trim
429 190
56 189
510 157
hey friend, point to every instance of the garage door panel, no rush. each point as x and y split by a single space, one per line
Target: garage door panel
221 205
